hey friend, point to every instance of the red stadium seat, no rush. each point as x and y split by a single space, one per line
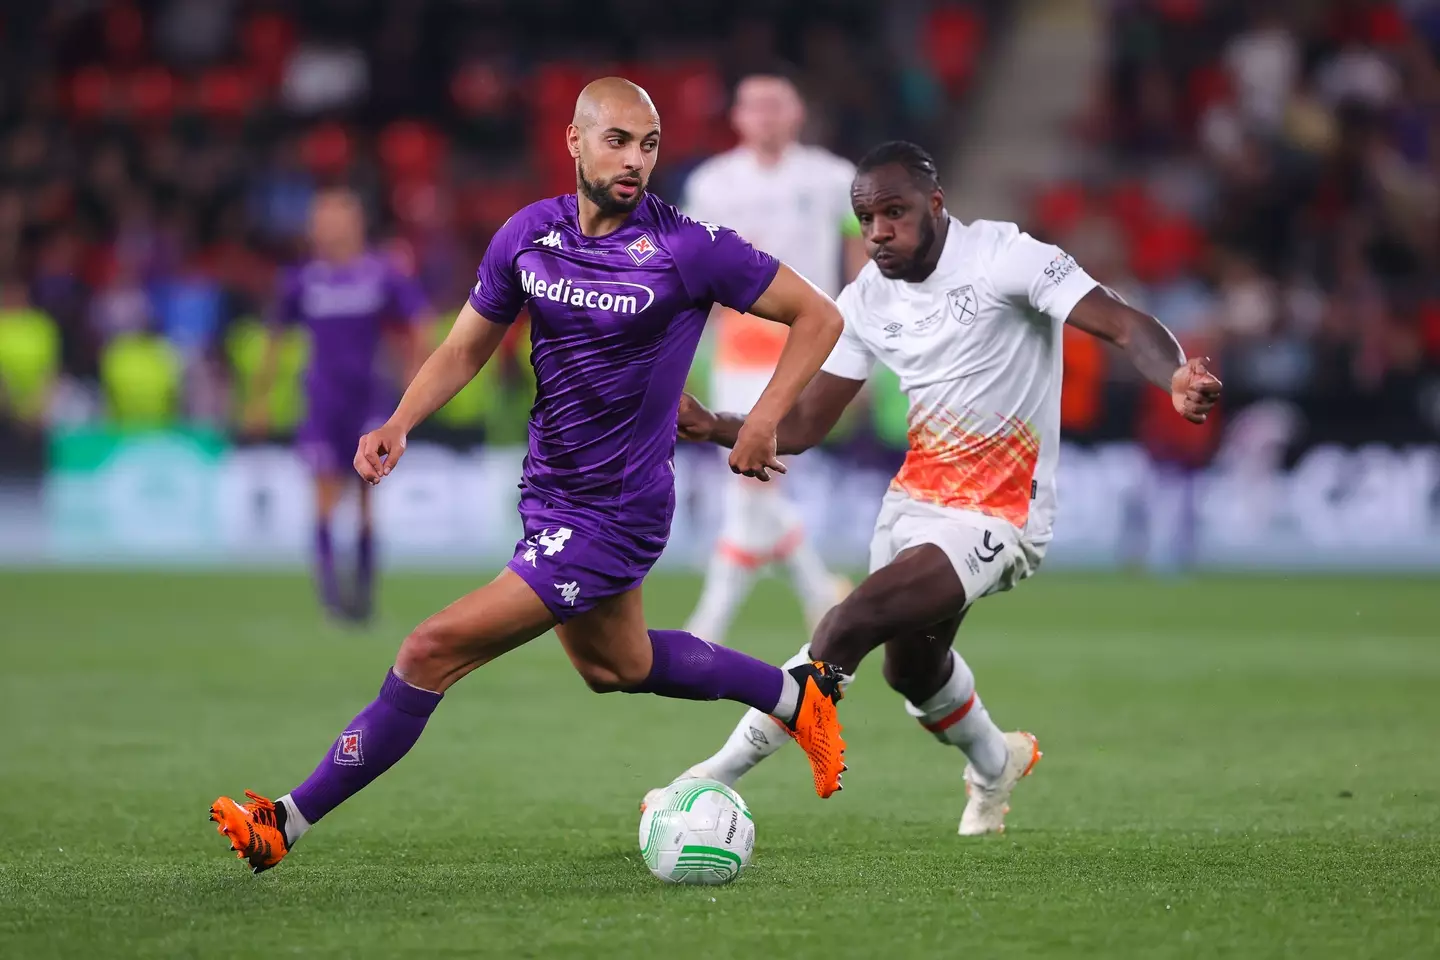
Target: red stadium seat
1059 208
410 150
480 88
151 94
266 41
1166 248
226 93
92 93
327 150
953 35
1131 205
124 32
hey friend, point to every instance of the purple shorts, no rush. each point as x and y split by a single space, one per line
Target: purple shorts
573 559
328 437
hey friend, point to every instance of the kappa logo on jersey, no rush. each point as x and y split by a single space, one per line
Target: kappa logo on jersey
964 307
347 749
710 228
569 592
551 240
641 249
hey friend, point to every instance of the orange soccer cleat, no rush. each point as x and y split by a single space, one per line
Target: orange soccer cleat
256 830
816 724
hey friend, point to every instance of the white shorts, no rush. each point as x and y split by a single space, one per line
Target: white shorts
737 390
988 553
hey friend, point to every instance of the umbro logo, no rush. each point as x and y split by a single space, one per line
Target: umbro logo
892 330
551 240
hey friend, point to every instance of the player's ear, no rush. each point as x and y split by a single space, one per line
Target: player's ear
572 141
937 202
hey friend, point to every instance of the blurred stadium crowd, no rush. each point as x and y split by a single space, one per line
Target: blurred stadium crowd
1265 177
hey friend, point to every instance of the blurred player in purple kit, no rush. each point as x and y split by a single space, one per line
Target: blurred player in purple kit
348 299
618 286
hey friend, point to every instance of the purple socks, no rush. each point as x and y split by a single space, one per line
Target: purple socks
364 570
688 668
379 735
325 577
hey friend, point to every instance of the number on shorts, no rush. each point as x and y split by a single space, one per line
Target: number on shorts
555 544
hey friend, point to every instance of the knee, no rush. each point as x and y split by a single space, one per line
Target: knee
847 632
611 677
429 654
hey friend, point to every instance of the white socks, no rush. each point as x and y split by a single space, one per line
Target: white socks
789 701
757 735
761 528
295 822
727 584
956 716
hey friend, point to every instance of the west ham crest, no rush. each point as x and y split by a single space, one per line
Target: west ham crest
963 305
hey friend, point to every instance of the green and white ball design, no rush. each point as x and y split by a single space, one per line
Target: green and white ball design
698 832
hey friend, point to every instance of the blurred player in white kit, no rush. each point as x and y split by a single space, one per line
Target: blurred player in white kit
793 202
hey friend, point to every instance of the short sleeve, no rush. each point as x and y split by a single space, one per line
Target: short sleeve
1039 274
850 358
285 309
496 295
407 300
718 266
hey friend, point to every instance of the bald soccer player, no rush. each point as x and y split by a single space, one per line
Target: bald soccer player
793 202
618 286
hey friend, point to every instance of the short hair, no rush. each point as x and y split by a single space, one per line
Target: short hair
915 159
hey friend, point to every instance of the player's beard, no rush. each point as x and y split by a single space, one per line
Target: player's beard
599 193
923 249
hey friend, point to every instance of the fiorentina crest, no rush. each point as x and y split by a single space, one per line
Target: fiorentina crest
347 749
641 249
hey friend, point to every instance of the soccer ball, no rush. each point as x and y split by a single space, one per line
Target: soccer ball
698 832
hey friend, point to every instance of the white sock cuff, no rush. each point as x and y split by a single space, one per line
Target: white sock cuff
958 690
802 657
295 822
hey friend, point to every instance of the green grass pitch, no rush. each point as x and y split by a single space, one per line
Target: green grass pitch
1234 767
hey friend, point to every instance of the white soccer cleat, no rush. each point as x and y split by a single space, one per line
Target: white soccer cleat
696 771
985 811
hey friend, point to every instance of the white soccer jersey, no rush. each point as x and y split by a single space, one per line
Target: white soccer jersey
794 210
977 348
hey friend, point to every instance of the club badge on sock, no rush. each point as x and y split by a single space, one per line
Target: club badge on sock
347 749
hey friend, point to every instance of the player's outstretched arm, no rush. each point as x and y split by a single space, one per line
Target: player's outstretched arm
1152 348
815 324
470 343
810 421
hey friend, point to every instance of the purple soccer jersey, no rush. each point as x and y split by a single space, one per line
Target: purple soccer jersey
615 321
345 308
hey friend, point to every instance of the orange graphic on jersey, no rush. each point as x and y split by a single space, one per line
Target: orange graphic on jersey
952 466
748 342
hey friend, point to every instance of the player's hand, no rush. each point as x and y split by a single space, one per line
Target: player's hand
754 451
695 423
378 453
1194 390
